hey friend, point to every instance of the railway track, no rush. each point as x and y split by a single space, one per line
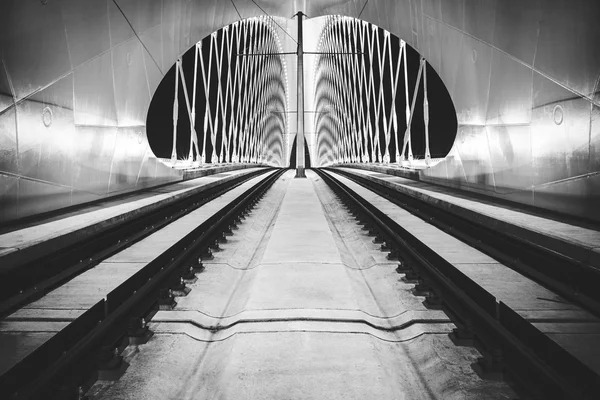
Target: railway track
571 278
23 282
61 365
512 346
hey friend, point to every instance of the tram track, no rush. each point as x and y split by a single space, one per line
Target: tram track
25 282
511 345
92 345
91 342
571 278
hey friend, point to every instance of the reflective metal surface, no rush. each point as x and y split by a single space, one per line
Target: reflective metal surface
523 74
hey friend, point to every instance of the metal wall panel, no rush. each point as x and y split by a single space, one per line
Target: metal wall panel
142 14
433 9
58 57
510 91
595 142
566 48
120 30
471 145
84 44
154 74
451 45
46 134
39 197
91 168
131 85
152 40
560 132
516 27
86 24
128 156
6 96
480 18
432 46
472 86
453 12
94 97
511 158
9 197
34 44
8 141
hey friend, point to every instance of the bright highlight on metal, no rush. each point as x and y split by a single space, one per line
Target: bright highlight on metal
347 87
243 118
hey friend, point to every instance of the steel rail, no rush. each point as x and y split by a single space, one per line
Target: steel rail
27 282
67 359
511 345
572 279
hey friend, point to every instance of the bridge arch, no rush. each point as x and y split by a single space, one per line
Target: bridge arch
377 99
527 100
221 102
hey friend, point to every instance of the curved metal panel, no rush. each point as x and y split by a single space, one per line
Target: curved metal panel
120 30
8 141
516 28
540 51
9 197
566 46
46 134
87 28
472 85
560 129
510 91
511 158
91 169
94 97
132 95
480 19
34 50
6 96
129 152
453 12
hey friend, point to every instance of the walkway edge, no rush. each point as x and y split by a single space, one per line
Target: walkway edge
577 251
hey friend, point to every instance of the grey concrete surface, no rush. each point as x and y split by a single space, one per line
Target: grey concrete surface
296 315
62 305
523 295
574 241
34 241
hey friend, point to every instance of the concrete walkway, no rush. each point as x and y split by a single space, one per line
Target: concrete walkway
33 241
294 325
301 266
582 244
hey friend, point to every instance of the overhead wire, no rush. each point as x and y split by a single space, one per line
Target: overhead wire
363 9
272 19
236 10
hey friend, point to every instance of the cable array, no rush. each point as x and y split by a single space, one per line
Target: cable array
243 84
357 83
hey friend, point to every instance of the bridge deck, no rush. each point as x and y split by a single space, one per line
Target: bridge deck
287 311
22 243
575 329
26 329
300 303
578 242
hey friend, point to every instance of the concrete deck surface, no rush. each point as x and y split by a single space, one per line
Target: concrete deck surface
42 318
575 329
296 315
574 241
32 241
